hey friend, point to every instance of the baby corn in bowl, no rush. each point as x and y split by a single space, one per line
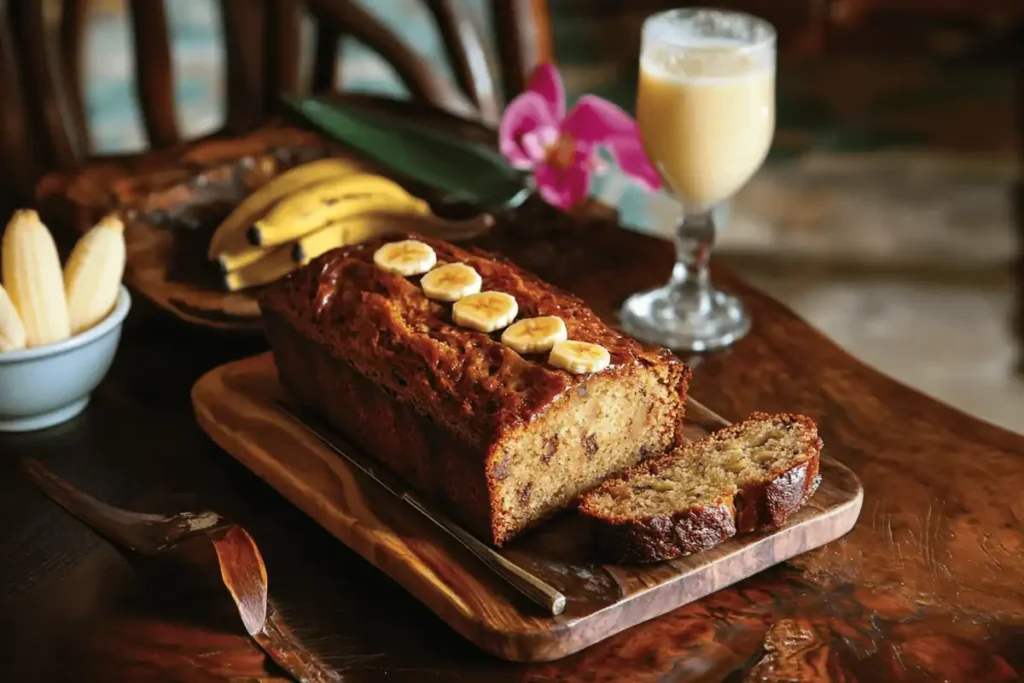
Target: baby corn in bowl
59 326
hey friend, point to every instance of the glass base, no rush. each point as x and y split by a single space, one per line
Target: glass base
661 316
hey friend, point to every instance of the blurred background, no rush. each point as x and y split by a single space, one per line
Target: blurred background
885 216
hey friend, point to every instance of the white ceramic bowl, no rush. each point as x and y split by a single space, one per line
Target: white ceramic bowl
47 385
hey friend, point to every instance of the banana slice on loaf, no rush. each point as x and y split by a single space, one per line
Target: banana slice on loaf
579 357
406 257
485 311
451 282
534 335
749 476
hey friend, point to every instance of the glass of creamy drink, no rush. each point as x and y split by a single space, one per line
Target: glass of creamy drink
706 110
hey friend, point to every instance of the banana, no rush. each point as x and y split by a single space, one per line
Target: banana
92 275
534 335
32 276
335 233
230 235
12 330
360 228
230 261
451 282
275 264
350 230
485 311
319 204
405 257
579 357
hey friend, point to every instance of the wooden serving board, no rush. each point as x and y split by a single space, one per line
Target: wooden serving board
234 404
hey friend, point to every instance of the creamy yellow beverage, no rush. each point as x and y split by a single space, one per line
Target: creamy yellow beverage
706 115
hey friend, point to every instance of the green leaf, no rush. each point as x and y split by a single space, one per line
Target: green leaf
463 170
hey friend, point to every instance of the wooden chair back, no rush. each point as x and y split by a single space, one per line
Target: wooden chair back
41 47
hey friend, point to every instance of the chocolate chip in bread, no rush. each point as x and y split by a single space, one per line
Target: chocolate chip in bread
749 476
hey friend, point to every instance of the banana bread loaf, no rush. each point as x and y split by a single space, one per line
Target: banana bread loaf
748 476
501 440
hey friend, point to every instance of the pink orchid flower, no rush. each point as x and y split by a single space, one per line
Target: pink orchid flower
536 133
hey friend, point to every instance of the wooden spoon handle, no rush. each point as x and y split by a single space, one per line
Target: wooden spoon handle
241 566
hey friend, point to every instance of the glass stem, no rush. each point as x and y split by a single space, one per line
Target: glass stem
691 276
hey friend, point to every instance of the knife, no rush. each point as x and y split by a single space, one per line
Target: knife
532 587
464 171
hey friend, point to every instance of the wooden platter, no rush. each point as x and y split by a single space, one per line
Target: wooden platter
173 198
234 404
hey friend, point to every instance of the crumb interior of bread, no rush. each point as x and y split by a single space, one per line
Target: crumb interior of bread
760 449
677 488
609 425
706 471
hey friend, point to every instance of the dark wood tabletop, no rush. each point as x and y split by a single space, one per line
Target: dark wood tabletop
928 586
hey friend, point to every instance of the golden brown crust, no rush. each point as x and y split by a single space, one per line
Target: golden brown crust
393 432
663 537
768 504
440 404
760 505
469 381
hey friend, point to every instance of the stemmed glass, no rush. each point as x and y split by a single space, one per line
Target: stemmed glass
706 111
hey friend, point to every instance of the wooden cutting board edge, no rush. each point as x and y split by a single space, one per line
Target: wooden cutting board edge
214 405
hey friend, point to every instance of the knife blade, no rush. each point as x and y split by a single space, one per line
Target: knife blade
462 170
533 587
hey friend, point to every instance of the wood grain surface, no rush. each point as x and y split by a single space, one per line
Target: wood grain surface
234 404
928 586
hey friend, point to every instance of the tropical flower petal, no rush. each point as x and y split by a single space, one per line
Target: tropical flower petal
632 160
527 113
546 82
562 188
595 119
598 121
536 143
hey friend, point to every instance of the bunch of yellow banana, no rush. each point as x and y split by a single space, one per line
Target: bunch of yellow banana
41 304
313 208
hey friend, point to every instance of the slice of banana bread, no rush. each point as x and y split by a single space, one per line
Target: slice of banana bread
503 440
748 476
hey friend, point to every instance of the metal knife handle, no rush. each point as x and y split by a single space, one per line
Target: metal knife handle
535 589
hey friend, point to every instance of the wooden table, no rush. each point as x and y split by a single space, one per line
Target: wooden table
929 585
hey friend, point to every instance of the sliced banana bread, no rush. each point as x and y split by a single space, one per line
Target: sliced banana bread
502 439
748 476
